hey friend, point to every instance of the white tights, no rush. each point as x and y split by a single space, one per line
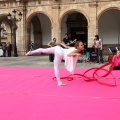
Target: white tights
58 56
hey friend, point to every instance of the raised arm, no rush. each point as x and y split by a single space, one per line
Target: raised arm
63 45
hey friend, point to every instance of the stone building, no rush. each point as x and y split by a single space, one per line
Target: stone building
43 20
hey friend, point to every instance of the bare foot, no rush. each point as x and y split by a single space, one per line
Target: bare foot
63 84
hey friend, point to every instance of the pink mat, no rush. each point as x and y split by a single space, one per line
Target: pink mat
31 94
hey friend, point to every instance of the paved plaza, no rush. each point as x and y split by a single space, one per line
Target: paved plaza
41 61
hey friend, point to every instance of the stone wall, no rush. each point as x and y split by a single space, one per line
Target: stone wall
56 11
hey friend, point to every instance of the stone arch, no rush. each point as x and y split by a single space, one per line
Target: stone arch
109 31
34 18
68 10
106 8
3 18
78 30
37 31
32 13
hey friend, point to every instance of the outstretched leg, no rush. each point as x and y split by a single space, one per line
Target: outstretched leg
57 61
42 50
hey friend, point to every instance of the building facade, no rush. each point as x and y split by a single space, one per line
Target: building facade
45 19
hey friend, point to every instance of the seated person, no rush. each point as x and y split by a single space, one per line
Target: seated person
116 61
52 44
68 42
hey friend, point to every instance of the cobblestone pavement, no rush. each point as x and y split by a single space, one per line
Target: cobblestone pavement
41 61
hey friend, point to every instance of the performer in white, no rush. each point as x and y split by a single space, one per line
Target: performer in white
69 54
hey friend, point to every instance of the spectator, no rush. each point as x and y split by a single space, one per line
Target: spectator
66 40
9 49
4 49
116 61
97 44
31 46
1 51
52 44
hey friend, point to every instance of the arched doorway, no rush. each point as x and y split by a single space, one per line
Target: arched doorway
39 30
5 30
109 27
36 33
75 24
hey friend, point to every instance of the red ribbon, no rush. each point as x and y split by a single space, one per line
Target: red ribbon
95 76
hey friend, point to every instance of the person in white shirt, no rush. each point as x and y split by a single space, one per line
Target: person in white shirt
69 54
97 44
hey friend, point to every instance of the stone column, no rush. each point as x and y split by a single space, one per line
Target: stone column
56 28
28 38
20 38
92 27
22 31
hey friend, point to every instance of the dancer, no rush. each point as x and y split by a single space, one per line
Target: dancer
116 61
69 54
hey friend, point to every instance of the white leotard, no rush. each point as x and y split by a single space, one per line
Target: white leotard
60 53
70 62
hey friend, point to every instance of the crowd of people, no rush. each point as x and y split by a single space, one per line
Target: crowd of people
6 49
97 46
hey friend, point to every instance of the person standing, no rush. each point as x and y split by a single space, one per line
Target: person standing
52 44
31 46
4 49
9 49
66 40
116 61
97 45
1 51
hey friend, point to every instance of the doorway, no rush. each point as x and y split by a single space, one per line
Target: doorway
79 33
76 24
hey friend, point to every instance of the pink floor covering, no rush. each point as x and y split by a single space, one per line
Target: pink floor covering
31 94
